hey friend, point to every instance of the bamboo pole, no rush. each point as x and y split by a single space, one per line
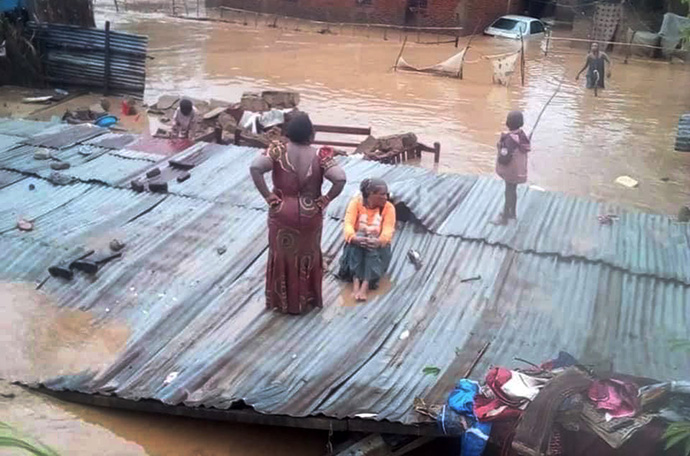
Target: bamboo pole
395 68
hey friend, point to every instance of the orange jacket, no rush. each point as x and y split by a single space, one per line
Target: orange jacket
372 222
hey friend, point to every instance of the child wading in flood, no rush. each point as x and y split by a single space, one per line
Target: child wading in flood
511 163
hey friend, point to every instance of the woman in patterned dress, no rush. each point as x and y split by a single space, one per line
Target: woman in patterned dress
295 217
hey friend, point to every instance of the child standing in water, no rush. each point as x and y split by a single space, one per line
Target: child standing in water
511 163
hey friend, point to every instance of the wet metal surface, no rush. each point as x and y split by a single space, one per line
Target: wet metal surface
77 56
62 137
196 317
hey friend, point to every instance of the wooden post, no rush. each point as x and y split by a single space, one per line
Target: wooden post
627 54
437 152
522 59
395 68
117 10
106 65
173 9
385 34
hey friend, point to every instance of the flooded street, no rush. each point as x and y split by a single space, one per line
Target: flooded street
581 145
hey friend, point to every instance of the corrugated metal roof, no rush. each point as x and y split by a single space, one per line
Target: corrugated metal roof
26 128
7 142
77 56
556 280
9 178
61 137
110 169
113 140
21 158
20 201
683 136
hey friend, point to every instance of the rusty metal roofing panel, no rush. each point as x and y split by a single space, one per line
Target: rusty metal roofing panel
113 140
108 168
212 329
557 224
61 137
86 218
7 142
223 177
25 260
21 158
26 128
137 155
76 56
20 200
190 287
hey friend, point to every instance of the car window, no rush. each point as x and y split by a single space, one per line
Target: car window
536 27
505 24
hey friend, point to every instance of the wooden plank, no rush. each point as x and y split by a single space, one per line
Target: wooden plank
334 143
342 130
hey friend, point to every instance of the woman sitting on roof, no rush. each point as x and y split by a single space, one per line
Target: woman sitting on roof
369 226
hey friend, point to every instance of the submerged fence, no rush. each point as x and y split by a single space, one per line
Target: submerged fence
94 58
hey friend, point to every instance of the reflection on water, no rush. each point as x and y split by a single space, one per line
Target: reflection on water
582 144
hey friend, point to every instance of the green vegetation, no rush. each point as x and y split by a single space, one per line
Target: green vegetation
9 438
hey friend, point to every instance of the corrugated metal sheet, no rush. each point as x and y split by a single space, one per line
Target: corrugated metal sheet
683 137
9 178
554 281
109 169
7 142
62 137
113 140
76 56
26 128
19 200
21 158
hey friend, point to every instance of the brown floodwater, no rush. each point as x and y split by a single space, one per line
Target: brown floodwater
582 144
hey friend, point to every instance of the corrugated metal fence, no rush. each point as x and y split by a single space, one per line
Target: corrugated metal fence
88 57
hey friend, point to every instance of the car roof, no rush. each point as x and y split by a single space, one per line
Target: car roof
515 17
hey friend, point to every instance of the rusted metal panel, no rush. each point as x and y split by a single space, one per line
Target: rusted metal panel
77 56
63 137
190 286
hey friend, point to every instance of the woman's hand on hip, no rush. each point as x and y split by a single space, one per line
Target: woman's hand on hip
321 202
273 200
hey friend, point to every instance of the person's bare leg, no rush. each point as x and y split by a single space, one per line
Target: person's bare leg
355 288
363 290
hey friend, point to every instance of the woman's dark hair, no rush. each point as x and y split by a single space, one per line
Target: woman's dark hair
300 129
186 106
370 185
515 120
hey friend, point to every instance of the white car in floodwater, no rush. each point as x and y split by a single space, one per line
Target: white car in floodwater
512 26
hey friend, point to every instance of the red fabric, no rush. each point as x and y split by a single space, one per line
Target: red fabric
618 398
501 407
294 270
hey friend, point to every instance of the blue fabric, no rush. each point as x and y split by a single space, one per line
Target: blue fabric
461 401
462 398
475 438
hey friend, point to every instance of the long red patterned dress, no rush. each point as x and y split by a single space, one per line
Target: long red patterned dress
294 271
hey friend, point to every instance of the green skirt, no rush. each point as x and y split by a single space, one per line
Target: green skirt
364 264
